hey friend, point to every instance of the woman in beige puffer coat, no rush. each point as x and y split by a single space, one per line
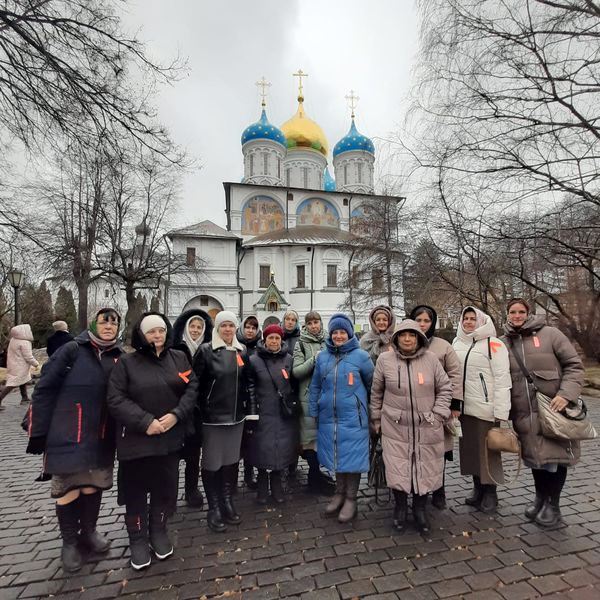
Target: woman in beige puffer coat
19 361
410 400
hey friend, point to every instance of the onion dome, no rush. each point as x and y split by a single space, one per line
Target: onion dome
328 181
302 132
354 140
263 130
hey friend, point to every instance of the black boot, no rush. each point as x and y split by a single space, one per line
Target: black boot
159 536
420 514
212 482
317 481
438 498
229 475
400 510
68 521
532 510
89 505
137 528
193 495
262 494
293 467
249 479
489 499
277 487
549 515
475 498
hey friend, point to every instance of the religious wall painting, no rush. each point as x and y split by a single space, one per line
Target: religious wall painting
317 211
262 214
359 223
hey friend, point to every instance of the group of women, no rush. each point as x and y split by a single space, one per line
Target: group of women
211 393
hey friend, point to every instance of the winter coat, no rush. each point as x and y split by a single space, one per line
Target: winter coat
339 399
305 357
68 408
410 398
56 340
19 358
291 338
557 370
144 387
486 372
273 439
250 344
179 327
375 342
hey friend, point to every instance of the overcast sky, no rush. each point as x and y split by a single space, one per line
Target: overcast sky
229 45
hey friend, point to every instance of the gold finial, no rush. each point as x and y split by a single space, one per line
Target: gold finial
263 84
352 101
300 74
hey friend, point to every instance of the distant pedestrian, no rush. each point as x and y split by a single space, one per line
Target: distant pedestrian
378 339
19 361
60 336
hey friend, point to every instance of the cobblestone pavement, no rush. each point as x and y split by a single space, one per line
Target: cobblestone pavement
295 552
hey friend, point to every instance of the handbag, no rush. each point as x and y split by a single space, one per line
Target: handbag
376 477
571 423
502 439
289 404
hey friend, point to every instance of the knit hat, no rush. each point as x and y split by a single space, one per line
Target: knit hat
151 322
60 326
518 301
225 316
272 329
341 321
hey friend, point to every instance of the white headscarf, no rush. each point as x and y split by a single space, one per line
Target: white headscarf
225 316
187 338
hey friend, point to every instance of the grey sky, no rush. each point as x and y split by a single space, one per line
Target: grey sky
229 45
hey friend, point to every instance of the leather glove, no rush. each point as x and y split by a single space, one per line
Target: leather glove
36 445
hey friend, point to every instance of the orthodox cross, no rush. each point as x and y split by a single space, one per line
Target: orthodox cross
352 101
263 84
300 74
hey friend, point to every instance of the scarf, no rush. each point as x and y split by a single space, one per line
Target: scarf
187 338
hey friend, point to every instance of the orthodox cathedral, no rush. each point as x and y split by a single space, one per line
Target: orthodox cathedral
289 224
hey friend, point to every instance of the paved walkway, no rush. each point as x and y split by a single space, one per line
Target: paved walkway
295 552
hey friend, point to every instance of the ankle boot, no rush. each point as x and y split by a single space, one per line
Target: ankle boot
549 515
262 486
475 498
277 487
420 513
211 481
159 536
249 479
137 529
489 499
438 498
229 475
400 510
68 521
89 509
340 494
349 508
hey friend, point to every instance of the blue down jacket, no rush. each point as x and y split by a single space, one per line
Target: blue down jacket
339 399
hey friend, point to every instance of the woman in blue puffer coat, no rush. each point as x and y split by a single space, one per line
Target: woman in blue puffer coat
339 398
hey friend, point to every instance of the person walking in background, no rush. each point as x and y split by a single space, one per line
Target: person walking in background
273 438
60 336
190 330
486 386
69 423
557 371
377 340
339 400
410 401
19 361
426 317
147 399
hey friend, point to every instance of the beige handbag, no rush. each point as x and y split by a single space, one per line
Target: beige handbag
502 439
570 424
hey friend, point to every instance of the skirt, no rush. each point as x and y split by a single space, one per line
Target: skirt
472 451
101 479
221 445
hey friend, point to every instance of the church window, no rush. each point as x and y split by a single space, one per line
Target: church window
251 161
190 257
273 306
265 163
278 168
345 201
203 300
106 293
345 174
264 276
305 176
288 177
300 276
332 276
360 172
377 279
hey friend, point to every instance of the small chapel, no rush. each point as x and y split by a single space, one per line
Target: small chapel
289 224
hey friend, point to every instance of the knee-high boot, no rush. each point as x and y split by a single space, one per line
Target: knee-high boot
159 536
340 494
400 510
420 513
88 517
229 476
549 515
193 496
539 480
349 509
212 481
68 521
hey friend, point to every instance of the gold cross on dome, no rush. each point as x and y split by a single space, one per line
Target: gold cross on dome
264 85
300 74
352 101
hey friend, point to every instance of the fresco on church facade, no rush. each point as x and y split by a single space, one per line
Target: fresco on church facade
260 215
316 211
358 221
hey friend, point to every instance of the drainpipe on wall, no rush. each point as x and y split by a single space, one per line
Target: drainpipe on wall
312 279
241 254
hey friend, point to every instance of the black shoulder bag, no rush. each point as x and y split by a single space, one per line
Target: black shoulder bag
289 404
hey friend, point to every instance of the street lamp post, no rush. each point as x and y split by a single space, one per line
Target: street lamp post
15 277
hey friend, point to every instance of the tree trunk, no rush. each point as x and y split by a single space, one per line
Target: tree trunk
82 304
131 315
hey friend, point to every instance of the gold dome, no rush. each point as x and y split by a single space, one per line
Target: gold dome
301 131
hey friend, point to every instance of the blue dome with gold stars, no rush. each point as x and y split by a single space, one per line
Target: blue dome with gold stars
263 130
328 181
354 140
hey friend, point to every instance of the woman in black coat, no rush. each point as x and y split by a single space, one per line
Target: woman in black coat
273 441
147 399
190 330
69 422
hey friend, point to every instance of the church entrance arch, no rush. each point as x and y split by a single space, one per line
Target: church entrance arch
204 302
272 320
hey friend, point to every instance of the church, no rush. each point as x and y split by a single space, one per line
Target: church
289 224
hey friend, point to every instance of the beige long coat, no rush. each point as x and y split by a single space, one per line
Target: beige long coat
410 398
19 358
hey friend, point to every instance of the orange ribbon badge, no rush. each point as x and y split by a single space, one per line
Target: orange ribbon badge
495 345
285 374
350 378
536 341
421 378
184 375
240 360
